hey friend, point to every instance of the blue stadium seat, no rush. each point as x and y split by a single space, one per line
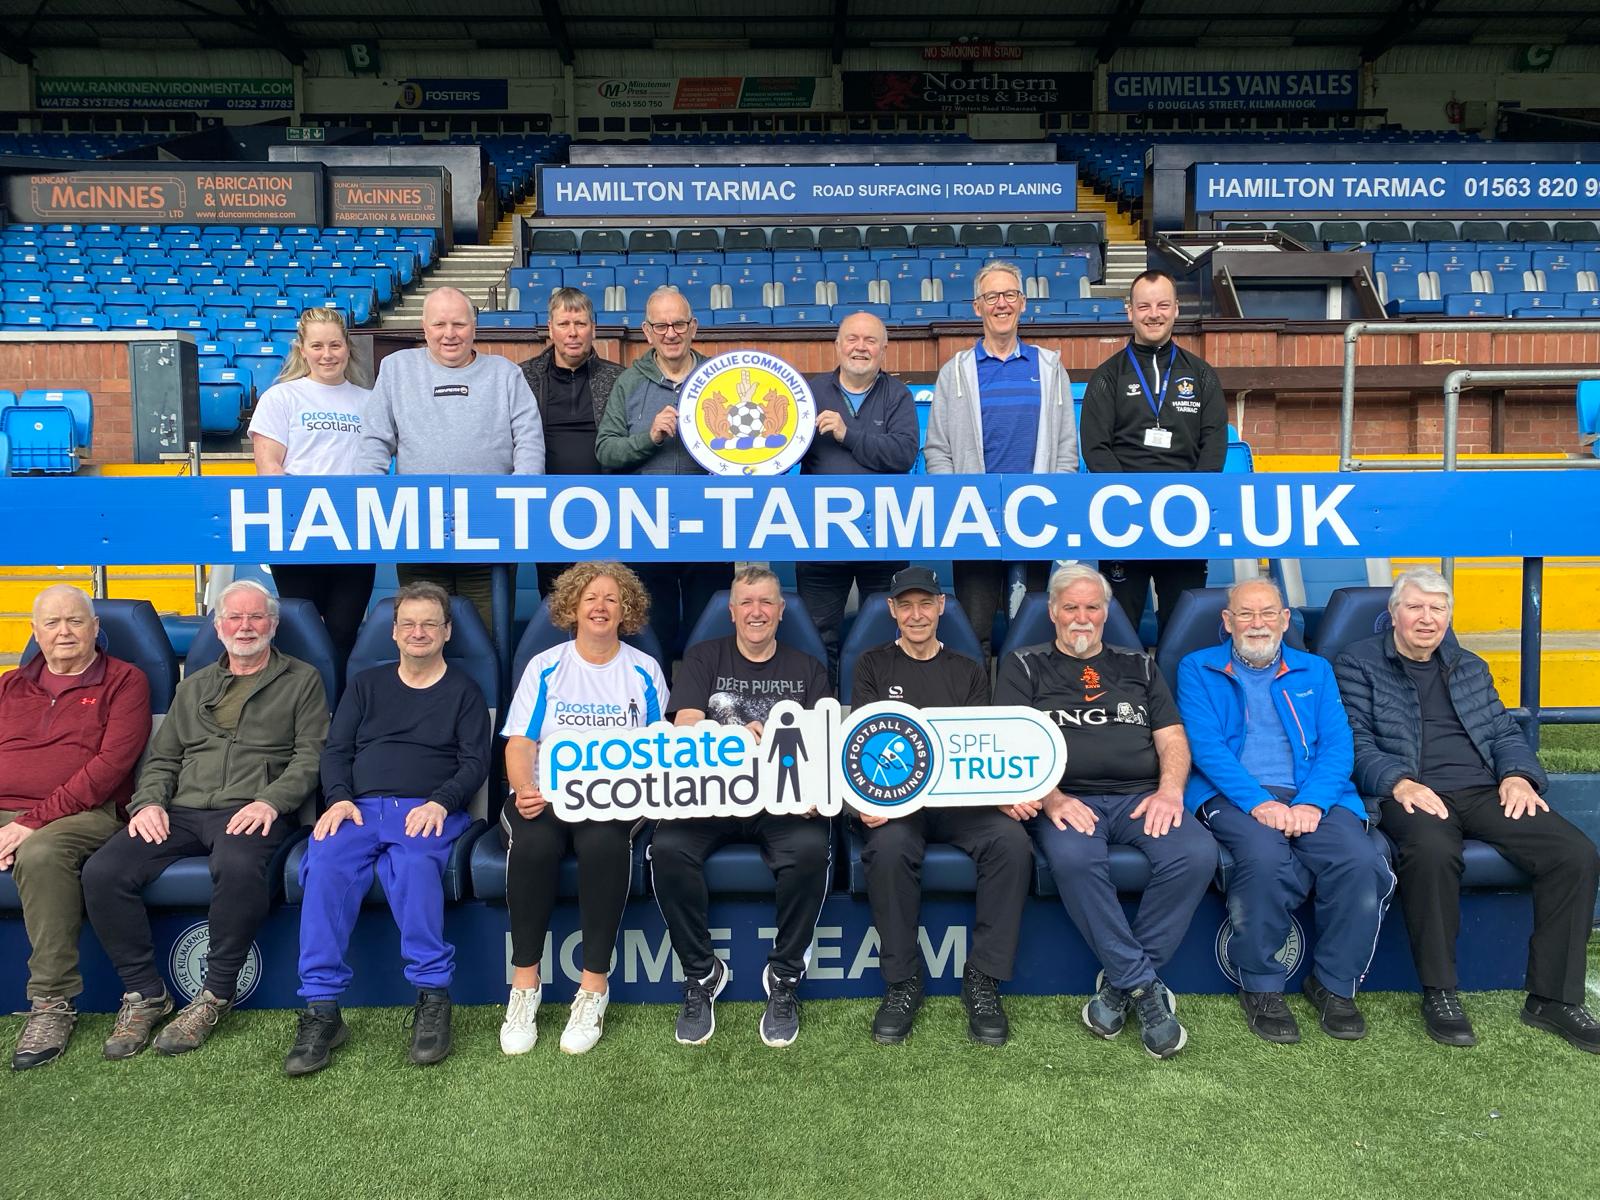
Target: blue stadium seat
5 456
76 401
900 314
1032 626
797 314
42 439
945 869
225 394
1474 304
796 629
508 319
874 626
301 634
264 360
470 647
131 630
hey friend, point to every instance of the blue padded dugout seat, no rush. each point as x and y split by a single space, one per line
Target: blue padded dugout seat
874 626
301 634
944 868
470 648
486 859
1130 871
796 629
1195 624
131 630
1032 626
455 877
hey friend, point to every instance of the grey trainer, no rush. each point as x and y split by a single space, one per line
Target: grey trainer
45 1033
190 1028
136 1021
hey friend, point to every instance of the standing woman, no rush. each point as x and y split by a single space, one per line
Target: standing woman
309 423
593 679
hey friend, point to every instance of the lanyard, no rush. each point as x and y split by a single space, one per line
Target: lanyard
1144 386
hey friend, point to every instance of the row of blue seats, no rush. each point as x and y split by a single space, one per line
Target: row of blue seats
262 323
74 145
828 315
423 240
788 271
777 258
986 238
358 302
250 285
1499 259
1346 232
389 271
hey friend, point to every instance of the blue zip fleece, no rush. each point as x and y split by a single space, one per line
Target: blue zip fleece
1212 701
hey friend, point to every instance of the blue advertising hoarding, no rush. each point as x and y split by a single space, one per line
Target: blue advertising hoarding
1413 186
768 191
1230 91
842 518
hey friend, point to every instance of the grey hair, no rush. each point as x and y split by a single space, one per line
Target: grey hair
1259 581
1073 573
245 585
57 589
1424 579
989 268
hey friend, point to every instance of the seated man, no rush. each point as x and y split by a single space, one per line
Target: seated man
1439 754
73 723
407 750
1127 762
919 670
736 681
1271 780
237 751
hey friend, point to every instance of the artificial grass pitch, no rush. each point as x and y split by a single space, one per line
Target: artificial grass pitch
1057 1113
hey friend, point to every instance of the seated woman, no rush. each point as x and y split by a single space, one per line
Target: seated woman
593 673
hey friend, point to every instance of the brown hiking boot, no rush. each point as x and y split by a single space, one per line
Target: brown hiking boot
136 1021
191 1027
45 1033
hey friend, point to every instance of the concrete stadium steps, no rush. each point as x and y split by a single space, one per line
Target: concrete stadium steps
1120 227
502 232
473 269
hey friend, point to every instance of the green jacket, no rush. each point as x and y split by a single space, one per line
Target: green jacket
622 442
272 756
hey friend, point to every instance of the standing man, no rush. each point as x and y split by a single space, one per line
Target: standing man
639 435
1127 763
73 723
736 681
571 384
866 425
447 410
1271 779
1154 407
407 751
1001 408
920 670
1438 753
237 753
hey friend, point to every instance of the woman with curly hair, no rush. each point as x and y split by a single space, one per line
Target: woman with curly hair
594 680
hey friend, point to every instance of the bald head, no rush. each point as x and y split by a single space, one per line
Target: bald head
862 343
65 628
449 325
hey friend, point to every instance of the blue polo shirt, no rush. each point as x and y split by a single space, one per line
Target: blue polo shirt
1009 395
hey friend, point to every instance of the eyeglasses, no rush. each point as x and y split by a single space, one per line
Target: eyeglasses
660 327
414 626
990 299
1249 617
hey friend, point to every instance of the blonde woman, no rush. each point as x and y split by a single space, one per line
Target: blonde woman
309 423
596 678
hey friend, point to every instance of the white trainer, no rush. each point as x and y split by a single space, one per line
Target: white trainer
586 1022
519 1032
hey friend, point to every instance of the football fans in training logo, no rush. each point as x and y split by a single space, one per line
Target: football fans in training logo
746 413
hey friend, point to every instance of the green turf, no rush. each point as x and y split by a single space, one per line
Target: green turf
1056 1113
1570 748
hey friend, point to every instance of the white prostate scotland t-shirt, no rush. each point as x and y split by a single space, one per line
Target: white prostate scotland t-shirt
319 426
560 692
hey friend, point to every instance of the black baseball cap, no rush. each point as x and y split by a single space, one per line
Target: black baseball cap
914 579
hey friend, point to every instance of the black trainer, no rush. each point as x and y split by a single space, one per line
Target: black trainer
986 1018
1269 1017
430 1027
1338 1015
1445 1019
780 1023
1571 1021
697 1018
319 1032
892 1023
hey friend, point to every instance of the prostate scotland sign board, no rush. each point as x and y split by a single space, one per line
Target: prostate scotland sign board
887 758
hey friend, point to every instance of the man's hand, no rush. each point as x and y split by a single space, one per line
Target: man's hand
832 422
872 820
1025 811
1411 796
1517 797
328 823
1274 814
1303 818
530 800
665 425
755 727
151 824
1162 811
426 820
1064 810
255 817
11 836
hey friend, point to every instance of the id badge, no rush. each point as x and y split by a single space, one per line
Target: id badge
1157 438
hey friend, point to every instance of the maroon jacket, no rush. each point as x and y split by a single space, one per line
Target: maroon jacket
71 754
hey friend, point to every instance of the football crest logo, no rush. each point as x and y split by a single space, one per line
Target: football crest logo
746 413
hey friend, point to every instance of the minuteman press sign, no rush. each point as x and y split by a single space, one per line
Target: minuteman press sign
887 759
